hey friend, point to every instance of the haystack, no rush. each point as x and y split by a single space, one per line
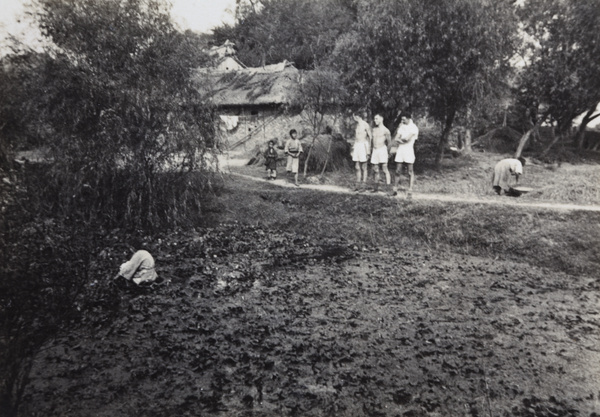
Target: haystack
330 151
258 156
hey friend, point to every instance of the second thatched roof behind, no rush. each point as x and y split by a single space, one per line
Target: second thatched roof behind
271 85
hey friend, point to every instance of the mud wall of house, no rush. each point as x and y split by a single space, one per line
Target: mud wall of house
244 131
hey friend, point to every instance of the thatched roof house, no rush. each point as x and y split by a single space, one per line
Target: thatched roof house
249 101
230 63
249 90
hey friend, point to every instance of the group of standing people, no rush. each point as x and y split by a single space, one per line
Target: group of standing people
374 145
377 147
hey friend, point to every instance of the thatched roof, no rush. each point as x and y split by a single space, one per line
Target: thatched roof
222 51
273 84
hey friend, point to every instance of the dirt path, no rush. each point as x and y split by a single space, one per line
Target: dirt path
503 201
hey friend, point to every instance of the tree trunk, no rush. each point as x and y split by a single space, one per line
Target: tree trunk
580 135
468 141
526 136
460 143
523 141
327 156
535 136
444 138
16 377
555 138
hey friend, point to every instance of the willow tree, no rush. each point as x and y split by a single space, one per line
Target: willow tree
563 71
436 57
127 132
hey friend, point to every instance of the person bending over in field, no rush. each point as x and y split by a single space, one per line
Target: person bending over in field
379 156
404 141
506 175
361 149
293 149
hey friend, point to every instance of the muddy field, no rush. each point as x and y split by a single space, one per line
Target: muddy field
257 322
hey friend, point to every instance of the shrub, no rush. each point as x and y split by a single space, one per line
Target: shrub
127 135
129 144
44 267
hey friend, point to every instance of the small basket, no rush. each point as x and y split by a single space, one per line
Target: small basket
519 190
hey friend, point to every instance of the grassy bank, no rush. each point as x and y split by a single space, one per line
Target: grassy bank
471 175
561 241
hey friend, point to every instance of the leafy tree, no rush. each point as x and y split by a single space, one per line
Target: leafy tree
126 131
301 31
563 72
20 75
437 57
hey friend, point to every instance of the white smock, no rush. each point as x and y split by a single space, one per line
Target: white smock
140 268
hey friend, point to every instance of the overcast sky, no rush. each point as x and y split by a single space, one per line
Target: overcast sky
202 15
198 15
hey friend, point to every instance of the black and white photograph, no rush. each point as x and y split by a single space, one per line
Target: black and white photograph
299 208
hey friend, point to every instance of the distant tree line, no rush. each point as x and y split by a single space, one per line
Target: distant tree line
454 61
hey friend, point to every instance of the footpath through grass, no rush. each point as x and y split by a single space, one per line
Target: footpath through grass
561 241
471 176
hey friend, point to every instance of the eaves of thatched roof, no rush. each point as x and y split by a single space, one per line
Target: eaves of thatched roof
271 85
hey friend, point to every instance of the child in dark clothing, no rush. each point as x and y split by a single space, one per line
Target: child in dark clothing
271 161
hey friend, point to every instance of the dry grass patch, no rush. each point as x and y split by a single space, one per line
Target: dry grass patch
471 176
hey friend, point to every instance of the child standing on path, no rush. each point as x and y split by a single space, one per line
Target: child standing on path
271 161
293 149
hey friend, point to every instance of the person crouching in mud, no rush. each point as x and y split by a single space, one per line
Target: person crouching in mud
506 176
140 269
